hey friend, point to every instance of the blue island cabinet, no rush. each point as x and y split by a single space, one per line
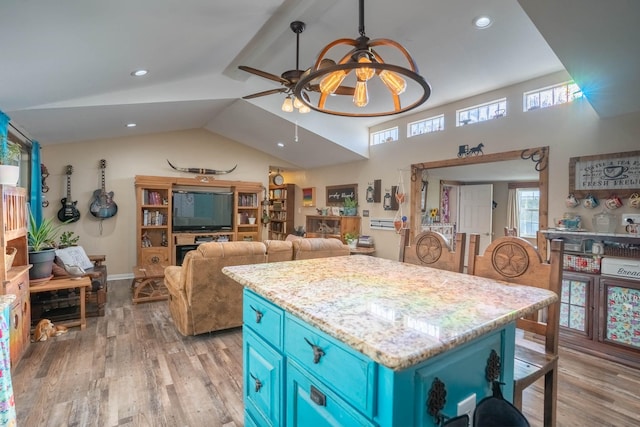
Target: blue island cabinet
297 375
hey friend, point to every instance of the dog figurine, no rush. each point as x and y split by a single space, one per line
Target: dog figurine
45 329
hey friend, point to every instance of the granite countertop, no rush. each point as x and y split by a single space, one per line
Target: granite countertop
397 314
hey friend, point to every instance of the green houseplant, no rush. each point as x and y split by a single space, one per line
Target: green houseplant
350 206
42 243
9 162
351 239
68 238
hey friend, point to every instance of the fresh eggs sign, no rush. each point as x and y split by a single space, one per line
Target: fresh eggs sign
605 175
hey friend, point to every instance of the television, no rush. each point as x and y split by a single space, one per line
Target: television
197 211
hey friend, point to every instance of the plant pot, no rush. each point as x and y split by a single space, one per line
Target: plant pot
9 175
352 243
42 264
350 211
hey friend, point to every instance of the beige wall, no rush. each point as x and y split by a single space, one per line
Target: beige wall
127 157
569 130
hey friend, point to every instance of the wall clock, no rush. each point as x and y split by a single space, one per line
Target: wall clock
278 179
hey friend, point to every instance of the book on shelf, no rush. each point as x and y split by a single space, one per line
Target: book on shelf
153 218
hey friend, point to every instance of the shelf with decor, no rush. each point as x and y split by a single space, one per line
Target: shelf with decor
175 214
600 290
14 266
281 210
154 223
332 226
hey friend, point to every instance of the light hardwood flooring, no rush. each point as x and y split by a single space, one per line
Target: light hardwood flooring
132 368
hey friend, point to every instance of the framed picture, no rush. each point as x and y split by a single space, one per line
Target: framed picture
337 193
605 175
309 197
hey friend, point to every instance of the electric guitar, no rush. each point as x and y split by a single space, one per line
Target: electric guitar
103 205
68 212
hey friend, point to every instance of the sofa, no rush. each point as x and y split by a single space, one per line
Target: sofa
202 299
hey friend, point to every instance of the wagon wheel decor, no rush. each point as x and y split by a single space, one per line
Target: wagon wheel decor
428 249
510 260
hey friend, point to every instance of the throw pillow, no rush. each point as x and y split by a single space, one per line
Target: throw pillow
74 255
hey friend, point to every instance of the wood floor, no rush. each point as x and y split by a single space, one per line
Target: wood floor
132 368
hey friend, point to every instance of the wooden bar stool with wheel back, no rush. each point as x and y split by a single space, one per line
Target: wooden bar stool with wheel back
515 260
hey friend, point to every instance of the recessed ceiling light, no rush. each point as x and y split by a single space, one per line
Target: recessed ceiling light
131 125
139 73
482 22
280 144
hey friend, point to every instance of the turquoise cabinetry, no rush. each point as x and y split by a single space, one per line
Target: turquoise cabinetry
297 375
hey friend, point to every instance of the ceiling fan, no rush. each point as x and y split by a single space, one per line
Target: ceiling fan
290 78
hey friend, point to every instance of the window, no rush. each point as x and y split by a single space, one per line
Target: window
550 96
480 113
387 135
528 207
432 124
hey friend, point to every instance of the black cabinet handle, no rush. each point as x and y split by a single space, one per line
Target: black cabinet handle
257 382
317 351
258 314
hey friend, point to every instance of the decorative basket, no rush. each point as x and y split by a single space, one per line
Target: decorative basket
11 254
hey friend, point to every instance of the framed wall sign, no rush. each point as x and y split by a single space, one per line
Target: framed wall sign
604 175
337 193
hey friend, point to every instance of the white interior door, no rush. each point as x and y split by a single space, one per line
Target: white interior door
475 214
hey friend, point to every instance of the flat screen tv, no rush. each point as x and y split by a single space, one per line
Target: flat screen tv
196 211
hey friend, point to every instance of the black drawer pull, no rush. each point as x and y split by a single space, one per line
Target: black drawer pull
317 351
257 381
318 397
258 314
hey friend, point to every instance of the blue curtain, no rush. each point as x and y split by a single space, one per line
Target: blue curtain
36 183
4 125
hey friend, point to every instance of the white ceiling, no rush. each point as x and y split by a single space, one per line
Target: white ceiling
65 71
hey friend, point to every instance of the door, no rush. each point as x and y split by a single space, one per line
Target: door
475 213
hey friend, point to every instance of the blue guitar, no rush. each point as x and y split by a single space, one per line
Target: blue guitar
103 205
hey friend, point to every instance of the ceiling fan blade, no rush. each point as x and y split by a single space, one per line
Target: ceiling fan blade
341 90
263 74
266 92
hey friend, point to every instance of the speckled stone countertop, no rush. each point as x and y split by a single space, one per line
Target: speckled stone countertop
397 314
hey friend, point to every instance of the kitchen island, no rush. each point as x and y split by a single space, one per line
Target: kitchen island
361 340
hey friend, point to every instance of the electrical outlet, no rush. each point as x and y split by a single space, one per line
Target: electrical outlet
467 406
634 217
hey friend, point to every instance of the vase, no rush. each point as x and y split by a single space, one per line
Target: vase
9 175
42 262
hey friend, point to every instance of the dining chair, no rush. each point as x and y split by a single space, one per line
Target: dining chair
511 231
515 260
431 249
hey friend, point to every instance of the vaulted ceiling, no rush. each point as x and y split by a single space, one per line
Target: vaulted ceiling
65 71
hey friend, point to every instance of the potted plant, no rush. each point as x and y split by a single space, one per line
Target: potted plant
9 162
350 206
68 238
351 239
42 243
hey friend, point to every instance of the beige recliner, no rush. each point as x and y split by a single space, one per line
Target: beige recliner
202 299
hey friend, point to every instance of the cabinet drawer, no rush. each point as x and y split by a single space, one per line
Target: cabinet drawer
154 256
263 381
349 373
311 403
264 318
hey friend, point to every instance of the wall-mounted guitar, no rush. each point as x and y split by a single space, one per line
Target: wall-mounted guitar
103 205
68 212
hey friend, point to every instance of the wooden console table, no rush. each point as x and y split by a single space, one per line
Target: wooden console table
59 284
148 283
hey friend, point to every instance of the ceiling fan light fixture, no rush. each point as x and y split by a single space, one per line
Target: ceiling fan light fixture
303 109
287 105
366 63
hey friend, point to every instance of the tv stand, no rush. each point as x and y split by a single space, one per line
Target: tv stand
154 216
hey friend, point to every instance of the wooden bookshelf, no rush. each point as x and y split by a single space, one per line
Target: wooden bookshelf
281 210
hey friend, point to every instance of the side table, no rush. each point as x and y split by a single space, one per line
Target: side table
148 283
361 250
59 284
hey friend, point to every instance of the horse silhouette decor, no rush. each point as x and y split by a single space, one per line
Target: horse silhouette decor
464 150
